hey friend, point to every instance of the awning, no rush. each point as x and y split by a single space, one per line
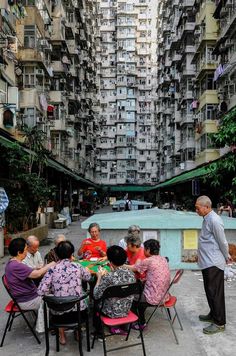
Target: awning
7 143
59 167
50 162
129 188
195 173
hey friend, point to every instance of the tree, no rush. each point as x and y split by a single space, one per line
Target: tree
35 141
223 171
25 187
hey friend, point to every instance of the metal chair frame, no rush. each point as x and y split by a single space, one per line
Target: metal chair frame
163 304
120 291
14 314
63 304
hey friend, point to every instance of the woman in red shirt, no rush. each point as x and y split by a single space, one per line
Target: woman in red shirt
93 247
135 253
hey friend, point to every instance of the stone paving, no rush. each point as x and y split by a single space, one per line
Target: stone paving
159 339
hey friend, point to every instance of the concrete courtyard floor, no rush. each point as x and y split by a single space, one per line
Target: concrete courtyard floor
158 338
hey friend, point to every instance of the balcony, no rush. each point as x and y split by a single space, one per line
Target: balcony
29 98
186 119
209 126
58 33
56 96
208 97
188 143
189 26
205 66
58 66
206 156
30 55
59 125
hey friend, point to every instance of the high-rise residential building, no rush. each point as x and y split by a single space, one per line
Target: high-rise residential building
126 148
126 92
175 95
195 81
49 56
206 33
225 49
9 99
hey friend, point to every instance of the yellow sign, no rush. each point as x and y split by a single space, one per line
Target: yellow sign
190 239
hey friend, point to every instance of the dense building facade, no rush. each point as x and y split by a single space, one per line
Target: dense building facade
225 49
195 82
127 144
52 63
126 92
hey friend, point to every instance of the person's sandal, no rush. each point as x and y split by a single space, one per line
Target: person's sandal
136 326
118 331
213 329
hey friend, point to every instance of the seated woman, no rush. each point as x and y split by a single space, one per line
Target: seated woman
135 253
20 276
114 308
133 230
157 278
93 247
52 254
65 279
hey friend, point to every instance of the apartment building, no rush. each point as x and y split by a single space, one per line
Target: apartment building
55 72
174 106
206 33
9 103
126 148
225 49
195 81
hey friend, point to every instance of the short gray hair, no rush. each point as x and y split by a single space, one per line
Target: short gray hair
133 240
134 230
59 238
204 200
31 239
94 225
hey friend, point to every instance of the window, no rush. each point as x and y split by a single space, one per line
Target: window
30 119
112 176
29 77
30 36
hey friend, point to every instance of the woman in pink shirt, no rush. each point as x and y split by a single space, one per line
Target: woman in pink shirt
157 278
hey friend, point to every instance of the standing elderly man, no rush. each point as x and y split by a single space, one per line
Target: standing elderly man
33 258
213 254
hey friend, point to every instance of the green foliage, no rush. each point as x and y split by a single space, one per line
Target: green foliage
35 140
223 171
226 135
26 189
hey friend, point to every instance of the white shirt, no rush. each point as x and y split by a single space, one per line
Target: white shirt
33 260
212 246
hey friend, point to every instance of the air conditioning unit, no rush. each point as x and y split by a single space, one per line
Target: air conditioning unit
228 43
40 120
39 72
44 43
62 80
197 32
229 3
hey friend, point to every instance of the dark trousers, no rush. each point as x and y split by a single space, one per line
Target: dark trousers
140 308
213 279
